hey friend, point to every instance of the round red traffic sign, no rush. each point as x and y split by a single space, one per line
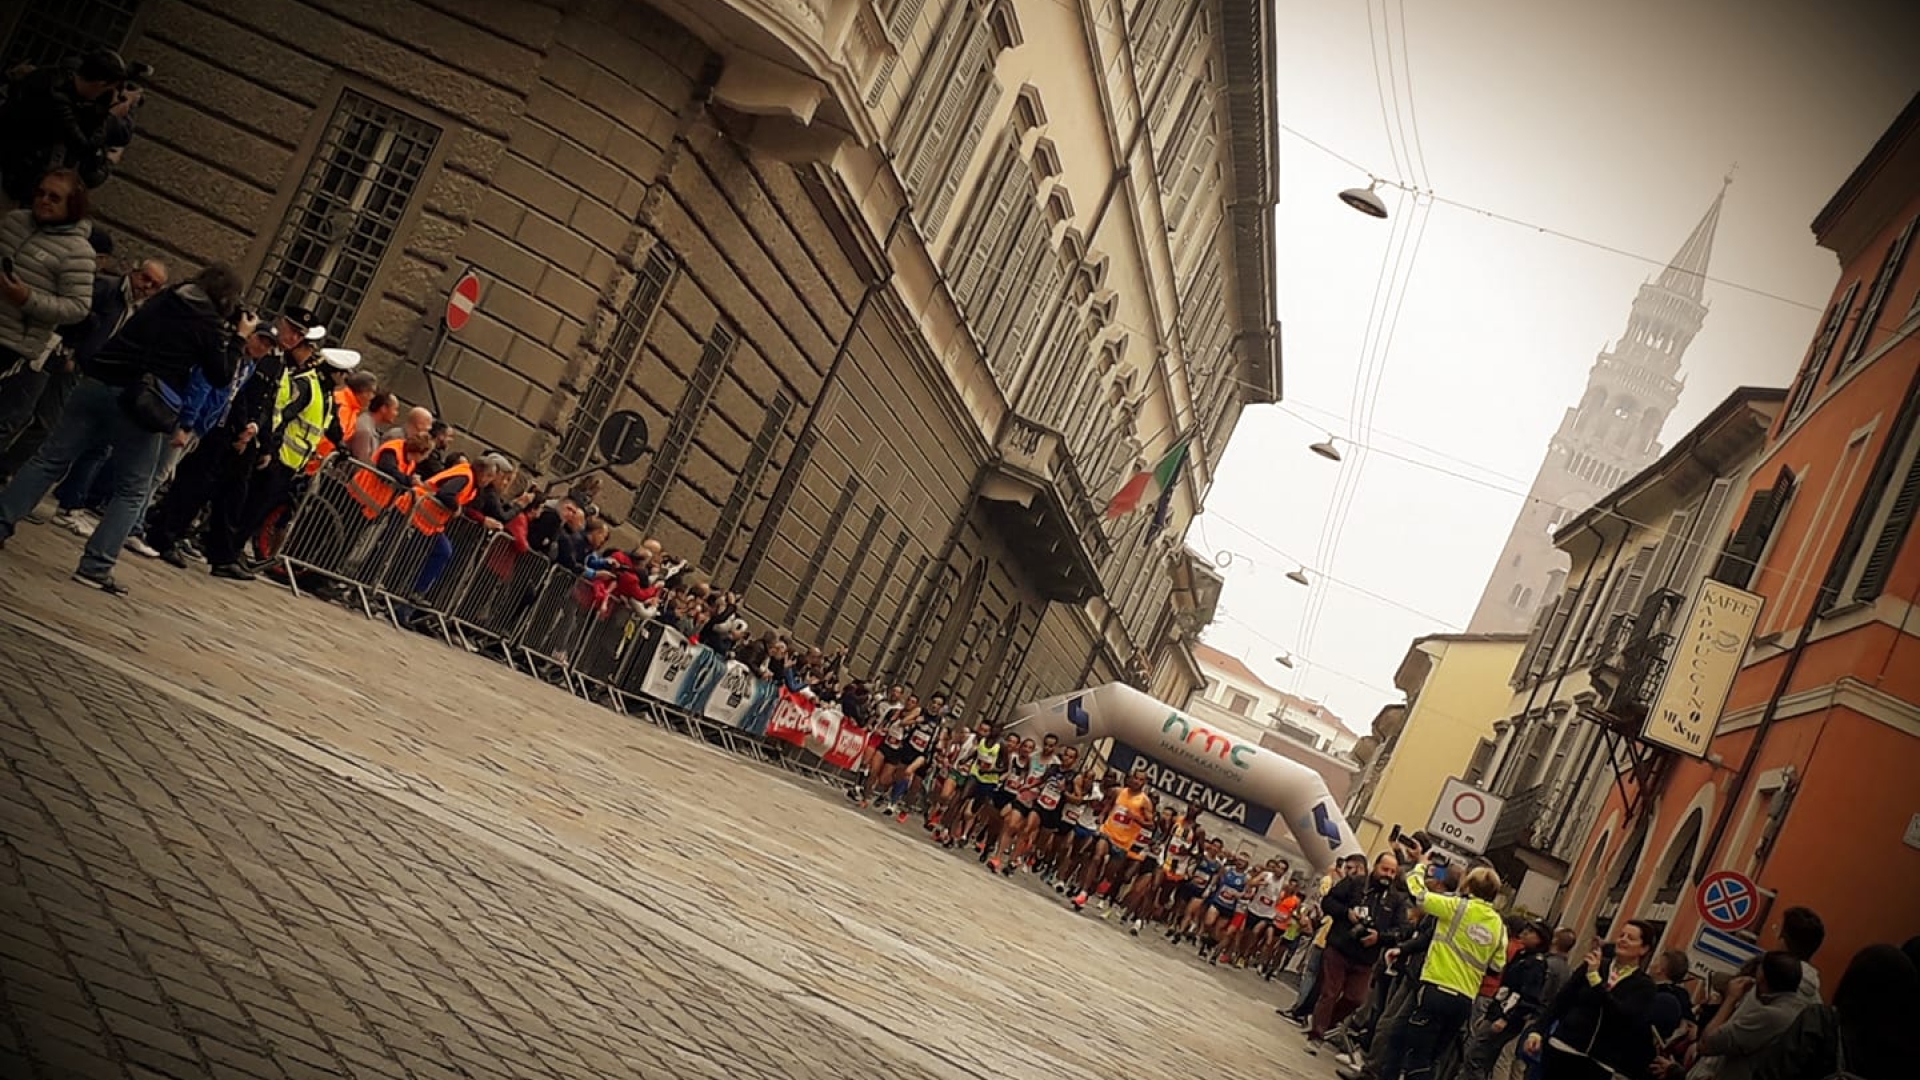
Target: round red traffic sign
462 300
1469 807
1728 901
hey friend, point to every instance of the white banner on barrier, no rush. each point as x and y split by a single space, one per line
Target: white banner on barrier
826 730
734 697
671 658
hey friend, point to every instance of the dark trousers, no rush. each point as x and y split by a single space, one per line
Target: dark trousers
30 404
1560 1065
1343 986
1437 1018
238 514
213 466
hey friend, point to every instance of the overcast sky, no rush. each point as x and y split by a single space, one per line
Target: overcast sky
1613 122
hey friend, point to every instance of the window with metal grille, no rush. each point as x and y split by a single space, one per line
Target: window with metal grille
371 160
879 592
617 359
678 439
747 482
50 33
769 524
888 643
829 532
854 565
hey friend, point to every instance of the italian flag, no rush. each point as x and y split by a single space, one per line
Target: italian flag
1148 485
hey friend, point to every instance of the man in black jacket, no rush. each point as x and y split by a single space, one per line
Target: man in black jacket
1369 915
122 400
221 462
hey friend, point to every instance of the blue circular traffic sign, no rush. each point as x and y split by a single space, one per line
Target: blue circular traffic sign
1728 901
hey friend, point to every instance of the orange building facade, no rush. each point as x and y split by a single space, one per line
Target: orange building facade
1809 783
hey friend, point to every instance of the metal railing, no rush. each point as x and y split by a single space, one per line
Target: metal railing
360 539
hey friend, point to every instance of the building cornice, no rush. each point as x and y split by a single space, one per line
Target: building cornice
1847 692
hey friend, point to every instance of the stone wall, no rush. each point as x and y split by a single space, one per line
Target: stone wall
576 156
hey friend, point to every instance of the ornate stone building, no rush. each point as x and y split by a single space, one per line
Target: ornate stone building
902 288
1612 434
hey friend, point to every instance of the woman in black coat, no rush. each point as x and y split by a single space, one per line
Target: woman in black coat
1601 1021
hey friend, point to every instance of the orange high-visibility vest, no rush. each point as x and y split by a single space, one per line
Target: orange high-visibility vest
430 515
373 489
347 408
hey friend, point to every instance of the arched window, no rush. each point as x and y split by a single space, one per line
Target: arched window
1680 858
1629 862
940 657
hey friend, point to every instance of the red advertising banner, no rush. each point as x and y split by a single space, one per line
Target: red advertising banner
848 745
792 719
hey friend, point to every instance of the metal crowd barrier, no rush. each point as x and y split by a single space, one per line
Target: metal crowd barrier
482 591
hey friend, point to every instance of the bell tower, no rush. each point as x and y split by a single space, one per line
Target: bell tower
1609 436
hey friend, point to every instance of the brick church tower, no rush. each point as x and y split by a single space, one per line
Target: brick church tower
1612 434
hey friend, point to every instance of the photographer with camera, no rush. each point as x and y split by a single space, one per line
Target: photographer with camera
58 116
1600 1024
1469 940
1369 915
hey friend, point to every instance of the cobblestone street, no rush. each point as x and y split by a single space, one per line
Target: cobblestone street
247 835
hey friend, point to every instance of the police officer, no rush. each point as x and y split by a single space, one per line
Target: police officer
1469 940
286 436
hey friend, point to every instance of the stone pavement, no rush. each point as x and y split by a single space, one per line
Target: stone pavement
247 835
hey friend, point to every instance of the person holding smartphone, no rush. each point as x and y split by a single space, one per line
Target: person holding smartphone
1600 1024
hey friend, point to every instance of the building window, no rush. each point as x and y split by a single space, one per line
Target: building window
746 484
829 532
1883 281
948 114
879 592
616 359
50 33
1882 519
677 441
1817 356
1239 704
769 523
1679 861
854 565
371 160
1741 558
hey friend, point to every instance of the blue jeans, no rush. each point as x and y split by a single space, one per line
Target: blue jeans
89 482
92 419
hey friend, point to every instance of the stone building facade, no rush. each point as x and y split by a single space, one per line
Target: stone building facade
903 289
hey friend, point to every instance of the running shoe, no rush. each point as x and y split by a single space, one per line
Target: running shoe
984 853
993 865
901 817
139 546
1314 1045
1079 900
1301 1022
1135 928
1350 1072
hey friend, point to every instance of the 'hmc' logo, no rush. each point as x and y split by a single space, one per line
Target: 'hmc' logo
1212 742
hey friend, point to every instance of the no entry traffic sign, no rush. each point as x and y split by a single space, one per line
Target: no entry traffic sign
1464 816
462 300
1728 901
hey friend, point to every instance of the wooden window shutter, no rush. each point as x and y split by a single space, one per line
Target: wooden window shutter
1893 534
1701 539
1742 555
955 163
1877 297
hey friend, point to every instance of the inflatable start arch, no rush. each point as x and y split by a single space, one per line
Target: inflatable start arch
1204 753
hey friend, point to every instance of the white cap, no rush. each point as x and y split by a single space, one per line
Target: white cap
316 334
340 359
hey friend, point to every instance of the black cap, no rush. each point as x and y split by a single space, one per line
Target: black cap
300 317
103 65
101 239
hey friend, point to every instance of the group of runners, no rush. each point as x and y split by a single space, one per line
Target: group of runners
1098 839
